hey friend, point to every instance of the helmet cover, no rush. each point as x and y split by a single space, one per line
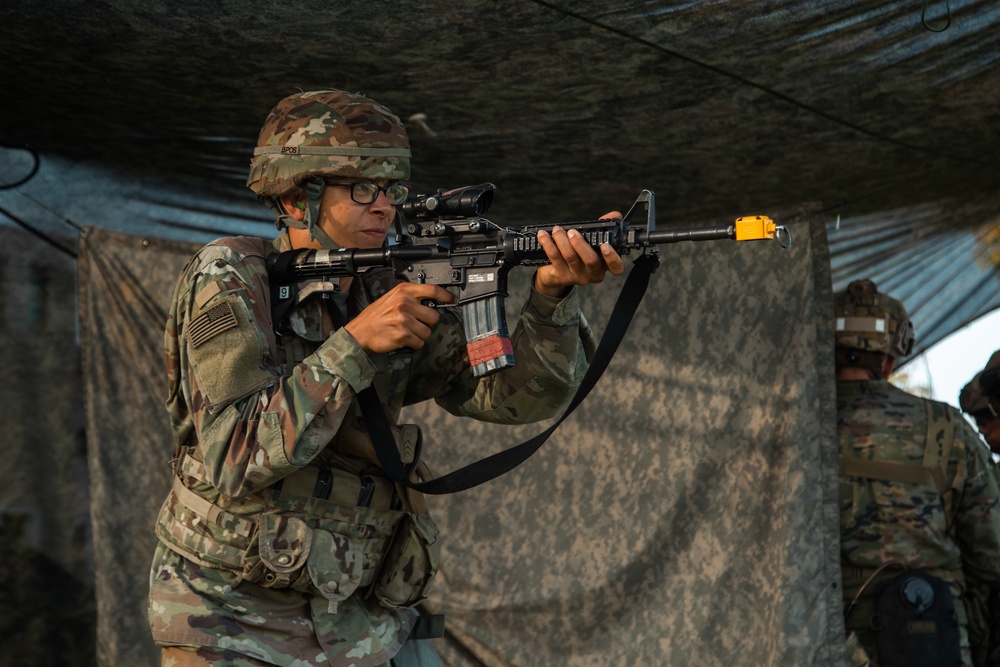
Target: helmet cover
989 379
327 133
971 398
868 320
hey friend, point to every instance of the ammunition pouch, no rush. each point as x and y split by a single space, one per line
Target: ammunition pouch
410 563
330 558
916 623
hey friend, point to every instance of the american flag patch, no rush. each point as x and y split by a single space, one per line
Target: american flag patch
211 323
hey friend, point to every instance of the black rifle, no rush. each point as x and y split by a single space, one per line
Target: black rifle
448 243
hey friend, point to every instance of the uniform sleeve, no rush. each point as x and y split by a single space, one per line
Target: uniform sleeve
553 345
978 515
252 423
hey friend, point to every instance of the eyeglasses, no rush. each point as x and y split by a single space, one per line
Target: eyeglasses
366 192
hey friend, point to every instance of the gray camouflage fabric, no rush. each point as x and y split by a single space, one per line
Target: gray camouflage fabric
249 409
881 521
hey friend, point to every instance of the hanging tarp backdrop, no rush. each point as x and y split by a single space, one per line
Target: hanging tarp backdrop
684 515
46 570
677 519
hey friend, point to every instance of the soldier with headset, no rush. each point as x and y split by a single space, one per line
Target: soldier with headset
980 399
282 541
919 510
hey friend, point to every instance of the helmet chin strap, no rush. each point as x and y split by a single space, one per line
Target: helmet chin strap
314 196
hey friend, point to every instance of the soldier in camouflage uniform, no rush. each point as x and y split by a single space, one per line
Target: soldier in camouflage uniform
983 407
917 493
281 541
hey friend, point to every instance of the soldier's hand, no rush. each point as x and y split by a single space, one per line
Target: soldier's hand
573 261
399 318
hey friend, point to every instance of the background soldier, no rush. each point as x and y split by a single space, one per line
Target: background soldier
281 541
985 409
919 503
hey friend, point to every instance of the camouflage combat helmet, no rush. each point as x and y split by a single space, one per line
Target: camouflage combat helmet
989 381
971 398
325 133
873 322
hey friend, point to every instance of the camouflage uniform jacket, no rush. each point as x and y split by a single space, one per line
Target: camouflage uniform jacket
249 408
883 521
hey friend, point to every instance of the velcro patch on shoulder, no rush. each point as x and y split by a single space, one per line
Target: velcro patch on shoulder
207 292
211 323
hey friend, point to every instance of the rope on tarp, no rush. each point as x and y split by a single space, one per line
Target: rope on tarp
947 17
31 172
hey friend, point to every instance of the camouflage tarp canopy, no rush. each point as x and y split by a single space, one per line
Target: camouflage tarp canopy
871 128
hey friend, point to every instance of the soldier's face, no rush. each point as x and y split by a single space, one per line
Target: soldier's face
989 426
354 225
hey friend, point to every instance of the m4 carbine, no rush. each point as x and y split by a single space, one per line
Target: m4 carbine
448 242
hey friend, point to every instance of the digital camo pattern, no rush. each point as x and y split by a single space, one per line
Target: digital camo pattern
249 415
911 524
367 140
686 514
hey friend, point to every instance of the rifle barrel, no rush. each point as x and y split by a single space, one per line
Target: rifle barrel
661 236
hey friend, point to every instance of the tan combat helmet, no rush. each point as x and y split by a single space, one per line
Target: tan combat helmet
979 398
971 398
320 134
869 325
989 383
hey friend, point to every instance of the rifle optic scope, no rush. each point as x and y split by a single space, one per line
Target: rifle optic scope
467 202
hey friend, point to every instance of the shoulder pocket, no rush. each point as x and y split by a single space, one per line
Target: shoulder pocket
227 351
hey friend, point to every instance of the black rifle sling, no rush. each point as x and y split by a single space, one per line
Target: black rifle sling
493 466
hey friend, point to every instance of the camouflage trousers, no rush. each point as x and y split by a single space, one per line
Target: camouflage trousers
414 653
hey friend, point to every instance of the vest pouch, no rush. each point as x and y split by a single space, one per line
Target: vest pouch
335 567
915 622
277 557
410 563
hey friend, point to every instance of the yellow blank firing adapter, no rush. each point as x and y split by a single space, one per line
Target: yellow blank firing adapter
756 227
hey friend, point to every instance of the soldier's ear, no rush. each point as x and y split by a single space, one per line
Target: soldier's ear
294 204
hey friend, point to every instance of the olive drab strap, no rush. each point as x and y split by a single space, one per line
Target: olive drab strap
936 460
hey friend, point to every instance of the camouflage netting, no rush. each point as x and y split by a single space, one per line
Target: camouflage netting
722 108
685 515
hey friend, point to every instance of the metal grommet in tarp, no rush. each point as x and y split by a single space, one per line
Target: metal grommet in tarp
10 161
947 18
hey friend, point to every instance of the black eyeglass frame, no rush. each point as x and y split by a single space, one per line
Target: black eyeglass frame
353 185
